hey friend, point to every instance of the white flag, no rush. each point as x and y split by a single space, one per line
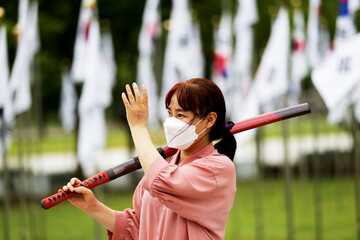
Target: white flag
313 33
150 28
81 48
91 139
28 45
5 100
245 17
23 10
197 61
4 67
221 72
91 93
345 30
336 78
299 67
184 41
271 79
149 32
20 79
4 77
33 38
107 66
345 26
67 102
179 52
353 6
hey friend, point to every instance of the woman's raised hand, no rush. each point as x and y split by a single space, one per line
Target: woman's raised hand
137 110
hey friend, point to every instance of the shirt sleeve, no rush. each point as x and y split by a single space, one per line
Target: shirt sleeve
127 221
184 189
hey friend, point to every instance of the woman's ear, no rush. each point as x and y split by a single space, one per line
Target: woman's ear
211 119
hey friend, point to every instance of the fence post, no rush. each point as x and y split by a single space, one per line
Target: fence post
6 192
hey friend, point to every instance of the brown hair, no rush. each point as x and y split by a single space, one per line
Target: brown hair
202 96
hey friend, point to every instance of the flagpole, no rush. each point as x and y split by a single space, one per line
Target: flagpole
258 200
79 171
356 160
287 167
317 182
41 224
303 165
21 195
6 190
288 179
20 129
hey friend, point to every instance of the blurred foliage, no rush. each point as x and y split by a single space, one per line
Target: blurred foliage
58 22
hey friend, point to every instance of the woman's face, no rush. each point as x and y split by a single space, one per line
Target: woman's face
174 110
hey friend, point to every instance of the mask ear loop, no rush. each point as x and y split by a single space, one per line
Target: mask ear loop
202 131
198 123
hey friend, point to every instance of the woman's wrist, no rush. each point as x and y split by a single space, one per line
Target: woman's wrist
103 214
138 133
95 206
145 148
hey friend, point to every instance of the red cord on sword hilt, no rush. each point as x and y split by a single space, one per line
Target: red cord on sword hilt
91 182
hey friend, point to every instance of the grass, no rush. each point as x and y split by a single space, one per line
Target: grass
338 213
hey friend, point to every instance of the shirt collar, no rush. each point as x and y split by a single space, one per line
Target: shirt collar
206 151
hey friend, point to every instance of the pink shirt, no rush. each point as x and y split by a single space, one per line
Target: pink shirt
191 200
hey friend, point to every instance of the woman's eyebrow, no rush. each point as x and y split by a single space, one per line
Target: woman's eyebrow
177 109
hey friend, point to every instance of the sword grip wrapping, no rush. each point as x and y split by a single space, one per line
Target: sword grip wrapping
98 179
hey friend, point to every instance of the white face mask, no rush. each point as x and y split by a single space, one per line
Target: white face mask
179 134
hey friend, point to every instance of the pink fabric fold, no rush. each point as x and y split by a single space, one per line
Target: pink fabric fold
187 201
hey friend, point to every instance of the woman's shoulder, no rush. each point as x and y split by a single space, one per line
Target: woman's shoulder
216 161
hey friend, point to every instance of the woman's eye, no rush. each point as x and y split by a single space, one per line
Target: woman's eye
180 115
169 114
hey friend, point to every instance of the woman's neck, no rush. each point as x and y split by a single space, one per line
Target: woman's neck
197 146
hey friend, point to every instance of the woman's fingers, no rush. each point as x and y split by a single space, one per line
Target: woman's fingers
137 92
71 185
145 95
74 181
129 93
81 190
136 105
130 99
125 100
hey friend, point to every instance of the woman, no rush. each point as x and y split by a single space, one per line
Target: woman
188 195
